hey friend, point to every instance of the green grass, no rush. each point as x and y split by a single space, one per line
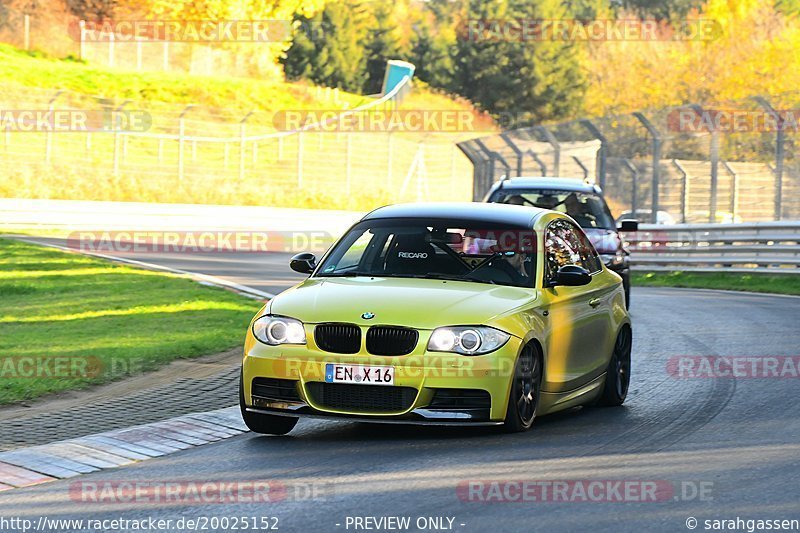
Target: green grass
34 69
771 283
114 319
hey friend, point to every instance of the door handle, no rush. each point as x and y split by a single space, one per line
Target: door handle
594 302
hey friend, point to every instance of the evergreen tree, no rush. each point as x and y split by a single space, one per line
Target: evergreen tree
328 48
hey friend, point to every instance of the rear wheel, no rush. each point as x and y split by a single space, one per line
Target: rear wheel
523 399
265 424
618 373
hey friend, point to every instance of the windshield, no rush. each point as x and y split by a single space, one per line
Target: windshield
589 210
448 250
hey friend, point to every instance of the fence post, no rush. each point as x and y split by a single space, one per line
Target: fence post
583 167
780 139
550 138
116 135
111 38
517 152
49 135
81 31
602 153
538 160
347 150
242 129
390 159
635 174
657 140
734 189
714 159
685 195
27 37
181 132
299 159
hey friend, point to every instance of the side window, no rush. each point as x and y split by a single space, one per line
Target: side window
589 257
562 247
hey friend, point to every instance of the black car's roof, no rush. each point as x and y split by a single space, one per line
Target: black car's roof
513 215
558 184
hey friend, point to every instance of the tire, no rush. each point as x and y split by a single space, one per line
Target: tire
264 424
526 387
618 372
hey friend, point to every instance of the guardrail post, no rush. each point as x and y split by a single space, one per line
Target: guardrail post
685 192
635 173
657 141
602 153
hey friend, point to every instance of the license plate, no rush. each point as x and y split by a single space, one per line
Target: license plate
359 374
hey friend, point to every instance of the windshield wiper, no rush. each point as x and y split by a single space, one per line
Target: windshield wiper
351 274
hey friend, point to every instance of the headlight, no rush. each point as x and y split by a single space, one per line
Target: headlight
612 260
276 330
467 340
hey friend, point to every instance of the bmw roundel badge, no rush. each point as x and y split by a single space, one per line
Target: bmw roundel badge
368 315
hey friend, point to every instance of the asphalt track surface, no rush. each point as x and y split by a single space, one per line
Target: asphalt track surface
736 440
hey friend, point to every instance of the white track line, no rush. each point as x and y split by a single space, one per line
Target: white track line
214 280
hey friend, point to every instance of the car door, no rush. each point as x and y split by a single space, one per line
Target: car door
578 316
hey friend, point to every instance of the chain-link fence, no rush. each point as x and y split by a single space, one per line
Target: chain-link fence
729 162
194 154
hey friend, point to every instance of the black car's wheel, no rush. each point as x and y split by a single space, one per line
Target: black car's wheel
526 387
618 373
266 424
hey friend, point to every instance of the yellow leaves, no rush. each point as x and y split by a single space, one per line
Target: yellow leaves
756 54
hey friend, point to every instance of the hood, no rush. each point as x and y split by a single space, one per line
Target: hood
417 303
605 241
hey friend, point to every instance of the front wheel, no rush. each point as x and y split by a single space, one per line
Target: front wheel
523 399
264 424
618 372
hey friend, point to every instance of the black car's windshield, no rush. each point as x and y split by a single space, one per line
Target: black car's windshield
589 210
449 250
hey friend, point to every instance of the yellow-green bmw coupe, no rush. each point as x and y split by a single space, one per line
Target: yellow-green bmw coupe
449 314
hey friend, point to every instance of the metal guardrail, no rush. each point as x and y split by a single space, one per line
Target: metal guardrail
757 247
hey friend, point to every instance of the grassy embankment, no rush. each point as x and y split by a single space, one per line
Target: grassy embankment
81 167
770 283
96 321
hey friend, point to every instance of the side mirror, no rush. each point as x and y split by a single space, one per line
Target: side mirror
304 263
628 225
571 276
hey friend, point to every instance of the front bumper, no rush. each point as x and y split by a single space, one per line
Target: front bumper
425 377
